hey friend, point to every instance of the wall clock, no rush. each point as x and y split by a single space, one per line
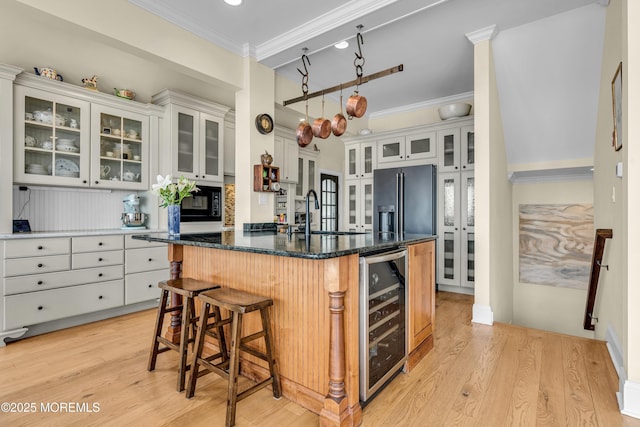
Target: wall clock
264 123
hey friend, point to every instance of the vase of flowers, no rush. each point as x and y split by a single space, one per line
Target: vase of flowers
171 195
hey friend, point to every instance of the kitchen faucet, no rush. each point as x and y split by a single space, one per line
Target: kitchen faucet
307 221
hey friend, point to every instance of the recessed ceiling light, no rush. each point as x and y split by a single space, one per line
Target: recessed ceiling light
233 2
342 45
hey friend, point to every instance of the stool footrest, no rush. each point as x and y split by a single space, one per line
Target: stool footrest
252 337
172 309
248 392
254 352
215 368
169 344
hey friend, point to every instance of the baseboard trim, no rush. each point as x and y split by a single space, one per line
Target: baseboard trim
482 314
631 399
629 391
15 333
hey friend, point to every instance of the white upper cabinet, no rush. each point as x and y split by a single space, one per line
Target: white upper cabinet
51 138
285 156
360 160
407 148
66 135
196 132
120 147
456 148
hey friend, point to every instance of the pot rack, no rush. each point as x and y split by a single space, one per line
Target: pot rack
354 82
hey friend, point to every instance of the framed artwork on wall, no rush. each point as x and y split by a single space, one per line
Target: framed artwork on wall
616 92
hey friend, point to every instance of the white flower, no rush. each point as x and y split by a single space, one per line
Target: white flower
171 193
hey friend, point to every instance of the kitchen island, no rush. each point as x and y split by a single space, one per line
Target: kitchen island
314 283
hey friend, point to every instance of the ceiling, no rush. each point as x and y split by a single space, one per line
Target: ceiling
426 36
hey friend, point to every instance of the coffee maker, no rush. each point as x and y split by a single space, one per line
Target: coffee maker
132 217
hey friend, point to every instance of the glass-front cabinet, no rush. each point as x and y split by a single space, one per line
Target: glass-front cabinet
416 146
51 138
456 197
196 129
198 151
457 148
119 142
360 160
359 204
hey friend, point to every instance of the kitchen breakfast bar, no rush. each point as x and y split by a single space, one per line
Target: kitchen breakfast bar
314 284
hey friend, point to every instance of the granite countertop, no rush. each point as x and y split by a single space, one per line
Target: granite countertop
317 246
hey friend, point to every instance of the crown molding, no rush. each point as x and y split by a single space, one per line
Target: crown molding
343 15
421 105
9 72
483 34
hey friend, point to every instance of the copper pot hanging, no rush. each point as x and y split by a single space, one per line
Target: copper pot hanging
321 126
304 133
356 105
339 122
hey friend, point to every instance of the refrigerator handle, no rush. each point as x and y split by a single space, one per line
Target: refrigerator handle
400 196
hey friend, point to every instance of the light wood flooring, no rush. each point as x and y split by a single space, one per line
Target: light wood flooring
475 376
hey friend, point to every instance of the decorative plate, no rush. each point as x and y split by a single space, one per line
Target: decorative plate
264 123
66 165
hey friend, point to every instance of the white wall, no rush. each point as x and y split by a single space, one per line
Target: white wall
548 307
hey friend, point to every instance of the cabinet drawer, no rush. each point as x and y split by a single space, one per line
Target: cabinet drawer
36 247
130 243
60 279
96 243
96 259
143 286
44 306
42 264
138 260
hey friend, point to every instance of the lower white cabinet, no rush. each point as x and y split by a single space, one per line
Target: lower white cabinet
146 263
47 279
44 306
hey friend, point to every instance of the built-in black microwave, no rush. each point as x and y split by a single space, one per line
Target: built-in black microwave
204 205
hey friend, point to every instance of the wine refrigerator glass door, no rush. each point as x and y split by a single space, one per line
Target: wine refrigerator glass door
383 333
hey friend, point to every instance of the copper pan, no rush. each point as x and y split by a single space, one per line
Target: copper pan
304 133
321 126
356 105
339 122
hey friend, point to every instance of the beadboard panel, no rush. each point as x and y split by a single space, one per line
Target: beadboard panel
65 209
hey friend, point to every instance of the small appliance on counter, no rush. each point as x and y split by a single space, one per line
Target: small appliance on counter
132 218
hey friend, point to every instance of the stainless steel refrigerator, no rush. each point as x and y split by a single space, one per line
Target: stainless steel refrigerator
404 200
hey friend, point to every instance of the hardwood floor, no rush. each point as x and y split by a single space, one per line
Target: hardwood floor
475 376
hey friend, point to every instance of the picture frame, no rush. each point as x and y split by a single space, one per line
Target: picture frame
616 94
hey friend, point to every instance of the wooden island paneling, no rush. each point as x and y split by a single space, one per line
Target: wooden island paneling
315 312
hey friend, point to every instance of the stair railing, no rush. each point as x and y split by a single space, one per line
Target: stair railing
602 234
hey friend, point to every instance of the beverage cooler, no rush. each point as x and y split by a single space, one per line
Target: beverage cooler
383 333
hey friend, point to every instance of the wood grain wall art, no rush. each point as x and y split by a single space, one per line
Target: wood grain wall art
556 242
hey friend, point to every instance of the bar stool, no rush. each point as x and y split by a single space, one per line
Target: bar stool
238 303
188 288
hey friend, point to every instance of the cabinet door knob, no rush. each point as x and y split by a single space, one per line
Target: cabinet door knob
40 265
84 181
40 248
203 177
40 282
464 167
99 274
100 297
97 182
456 167
40 307
400 156
456 229
99 243
99 259
150 286
150 259
407 157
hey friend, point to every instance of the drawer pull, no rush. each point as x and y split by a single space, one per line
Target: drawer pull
99 274
150 259
99 259
40 282
99 243
40 307
150 286
100 297
40 265
40 248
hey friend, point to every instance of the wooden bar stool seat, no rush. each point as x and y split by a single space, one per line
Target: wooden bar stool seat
238 303
188 289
